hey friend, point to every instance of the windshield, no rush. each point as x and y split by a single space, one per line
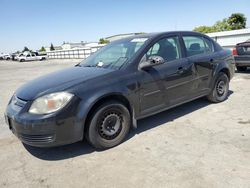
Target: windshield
115 54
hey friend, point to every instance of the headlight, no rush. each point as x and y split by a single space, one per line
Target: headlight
50 103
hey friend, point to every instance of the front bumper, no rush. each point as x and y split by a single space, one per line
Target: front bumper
44 130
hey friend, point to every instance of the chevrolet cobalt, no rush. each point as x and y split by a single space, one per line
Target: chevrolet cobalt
101 98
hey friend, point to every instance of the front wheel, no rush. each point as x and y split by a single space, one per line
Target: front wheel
109 125
220 89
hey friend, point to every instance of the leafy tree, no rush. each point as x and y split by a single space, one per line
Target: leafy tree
51 47
103 41
25 49
221 25
42 49
237 21
204 29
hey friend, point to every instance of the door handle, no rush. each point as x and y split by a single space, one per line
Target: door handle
211 62
180 70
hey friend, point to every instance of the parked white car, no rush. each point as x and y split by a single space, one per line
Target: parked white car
5 56
1 56
31 57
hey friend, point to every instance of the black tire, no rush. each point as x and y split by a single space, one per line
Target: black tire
241 69
22 60
109 125
220 89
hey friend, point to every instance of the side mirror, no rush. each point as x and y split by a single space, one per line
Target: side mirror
152 61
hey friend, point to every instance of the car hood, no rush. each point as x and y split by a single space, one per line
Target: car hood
58 81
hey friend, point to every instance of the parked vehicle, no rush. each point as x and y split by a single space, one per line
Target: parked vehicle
7 57
31 57
18 56
242 55
14 56
1 56
129 79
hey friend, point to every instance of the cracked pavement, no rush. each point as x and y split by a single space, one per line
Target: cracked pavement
194 145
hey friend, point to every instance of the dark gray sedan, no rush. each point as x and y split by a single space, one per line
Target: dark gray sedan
128 79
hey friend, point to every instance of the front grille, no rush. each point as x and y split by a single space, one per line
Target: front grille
45 138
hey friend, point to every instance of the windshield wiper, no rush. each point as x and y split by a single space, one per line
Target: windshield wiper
89 65
78 65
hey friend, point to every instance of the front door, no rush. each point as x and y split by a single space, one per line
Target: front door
167 84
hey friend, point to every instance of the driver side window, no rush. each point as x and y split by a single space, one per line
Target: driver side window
167 48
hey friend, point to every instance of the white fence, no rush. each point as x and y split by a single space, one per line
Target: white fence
76 53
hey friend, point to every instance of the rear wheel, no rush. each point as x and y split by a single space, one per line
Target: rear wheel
241 68
220 90
109 125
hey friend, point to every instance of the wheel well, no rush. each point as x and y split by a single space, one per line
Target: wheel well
102 100
226 71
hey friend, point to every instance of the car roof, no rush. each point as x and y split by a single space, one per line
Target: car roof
156 34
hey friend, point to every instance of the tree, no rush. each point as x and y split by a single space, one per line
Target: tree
25 49
52 47
237 21
42 49
204 29
103 41
221 26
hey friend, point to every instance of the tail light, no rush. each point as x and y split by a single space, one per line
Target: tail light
235 51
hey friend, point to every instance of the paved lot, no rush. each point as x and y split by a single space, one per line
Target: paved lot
195 145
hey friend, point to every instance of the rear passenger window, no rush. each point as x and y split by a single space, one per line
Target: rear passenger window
197 45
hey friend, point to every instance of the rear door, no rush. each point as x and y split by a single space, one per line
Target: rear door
200 53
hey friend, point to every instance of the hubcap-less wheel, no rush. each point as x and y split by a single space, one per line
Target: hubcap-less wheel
221 87
110 125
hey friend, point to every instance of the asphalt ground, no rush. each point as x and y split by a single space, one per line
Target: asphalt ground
198 144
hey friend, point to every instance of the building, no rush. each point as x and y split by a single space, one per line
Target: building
71 45
47 48
228 39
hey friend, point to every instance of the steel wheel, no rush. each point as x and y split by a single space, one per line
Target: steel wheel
109 125
220 90
221 87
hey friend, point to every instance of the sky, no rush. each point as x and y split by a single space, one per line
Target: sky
36 23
